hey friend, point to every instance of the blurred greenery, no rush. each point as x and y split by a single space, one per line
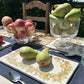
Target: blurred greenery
81 28
13 8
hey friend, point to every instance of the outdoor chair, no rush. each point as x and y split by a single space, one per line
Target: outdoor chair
39 5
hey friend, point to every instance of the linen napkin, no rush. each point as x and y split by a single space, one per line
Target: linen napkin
3 80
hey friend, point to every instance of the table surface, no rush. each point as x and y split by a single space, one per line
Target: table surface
77 77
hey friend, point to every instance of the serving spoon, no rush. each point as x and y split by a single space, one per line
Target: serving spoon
63 52
15 77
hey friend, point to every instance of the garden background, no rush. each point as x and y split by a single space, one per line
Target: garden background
13 8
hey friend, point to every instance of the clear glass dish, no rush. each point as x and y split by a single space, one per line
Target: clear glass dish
64 29
22 40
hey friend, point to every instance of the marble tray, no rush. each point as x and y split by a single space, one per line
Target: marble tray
76 49
4 45
58 71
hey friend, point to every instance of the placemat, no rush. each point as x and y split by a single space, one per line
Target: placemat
58 71
4 44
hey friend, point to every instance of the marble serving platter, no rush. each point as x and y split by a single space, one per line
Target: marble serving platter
4 33
76 49
59 71
4 44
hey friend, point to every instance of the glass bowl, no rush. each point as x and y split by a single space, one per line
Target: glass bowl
64 29
22 40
